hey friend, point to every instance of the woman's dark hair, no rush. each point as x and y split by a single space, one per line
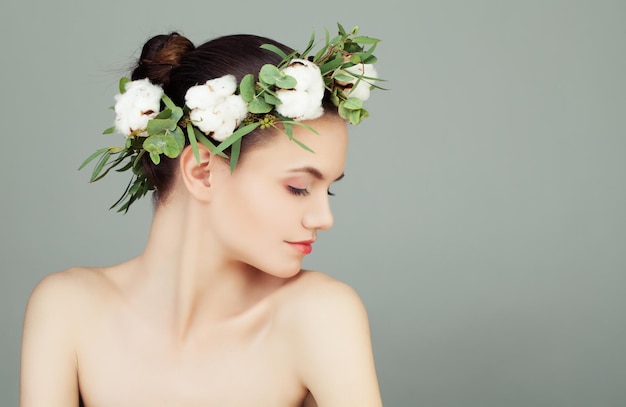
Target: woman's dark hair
173 62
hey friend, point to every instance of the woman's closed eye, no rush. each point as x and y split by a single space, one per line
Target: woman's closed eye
303 191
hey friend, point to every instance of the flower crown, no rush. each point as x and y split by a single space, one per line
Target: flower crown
225 111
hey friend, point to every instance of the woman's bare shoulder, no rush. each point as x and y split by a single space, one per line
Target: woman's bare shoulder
72 290
315 286
328 329
317 300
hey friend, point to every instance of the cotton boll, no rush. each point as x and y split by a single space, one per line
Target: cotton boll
223 86
362 89
304 102
136 106
299 105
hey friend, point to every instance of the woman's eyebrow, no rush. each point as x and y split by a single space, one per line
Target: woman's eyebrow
315 173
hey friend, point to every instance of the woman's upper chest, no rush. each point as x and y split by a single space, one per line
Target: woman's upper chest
126 361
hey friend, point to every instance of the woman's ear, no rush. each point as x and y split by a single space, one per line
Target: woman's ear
197 173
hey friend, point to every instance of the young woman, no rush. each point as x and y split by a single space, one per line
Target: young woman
216 311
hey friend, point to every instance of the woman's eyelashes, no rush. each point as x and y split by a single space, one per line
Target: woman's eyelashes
303 191
298 191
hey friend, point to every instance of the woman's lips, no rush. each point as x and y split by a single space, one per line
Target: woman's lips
304 247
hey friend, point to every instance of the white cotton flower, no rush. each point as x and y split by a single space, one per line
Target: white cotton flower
304 102
364 86
215 109
140 102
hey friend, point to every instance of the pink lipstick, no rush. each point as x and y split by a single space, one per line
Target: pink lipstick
304 247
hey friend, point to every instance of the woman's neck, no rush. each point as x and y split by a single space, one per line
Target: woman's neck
189 274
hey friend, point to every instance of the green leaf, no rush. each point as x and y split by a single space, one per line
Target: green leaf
121 198
193 142
341 30
355 117
343 112
368 55
159 126
240 132
286 81
207 143
234 154
259 106
168 102
163 114
355 59
92 157
370 60
301 144
246 88
110 130
309 46
276 50
126 167
104 158
269 73
122 84
342 77
332 64
365 40
271 99
156 158
179 136
162 144
323 50
301 124
353 103
177 114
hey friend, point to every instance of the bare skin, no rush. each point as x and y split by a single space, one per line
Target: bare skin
216 311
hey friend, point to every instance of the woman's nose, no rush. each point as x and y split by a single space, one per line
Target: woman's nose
319 216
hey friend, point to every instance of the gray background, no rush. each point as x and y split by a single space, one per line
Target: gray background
482 217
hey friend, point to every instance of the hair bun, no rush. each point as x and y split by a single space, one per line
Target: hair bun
161 54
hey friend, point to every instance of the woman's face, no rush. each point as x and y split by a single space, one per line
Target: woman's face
268 212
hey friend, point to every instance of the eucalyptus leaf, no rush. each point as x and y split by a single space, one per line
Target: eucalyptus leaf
341 30
179 137
353 103
276 50
342 76
164 114
168 102
193 142
207 143
355 117
365 40
162 144
159 126
156 158
240 132
286 81
104 158
271 99
92 157
269 73
355 59
121 198
343 112
301 144
309 46
122 84
259 106
332 64
246 88
110 130
177 114
301 124
234 154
